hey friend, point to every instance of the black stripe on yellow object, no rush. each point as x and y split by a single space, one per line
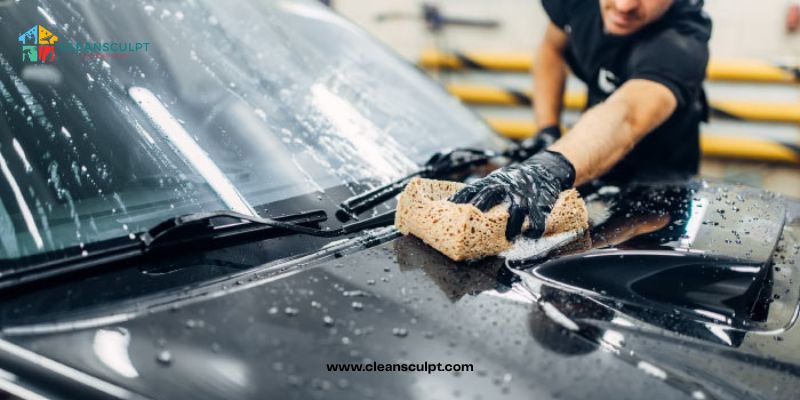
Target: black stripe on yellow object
727 109
468 62
746 70
731 147
722 114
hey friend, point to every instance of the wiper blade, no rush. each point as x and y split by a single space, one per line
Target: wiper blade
182 231
224 224
439 165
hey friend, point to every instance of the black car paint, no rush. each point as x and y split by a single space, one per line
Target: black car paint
253 330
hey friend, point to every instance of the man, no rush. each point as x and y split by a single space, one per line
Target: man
644 62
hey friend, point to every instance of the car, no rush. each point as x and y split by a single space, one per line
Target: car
208 214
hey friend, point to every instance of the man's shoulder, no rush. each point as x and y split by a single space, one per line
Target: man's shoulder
672 57
687 19
673 40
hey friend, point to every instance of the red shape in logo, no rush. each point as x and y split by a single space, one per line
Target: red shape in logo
47 53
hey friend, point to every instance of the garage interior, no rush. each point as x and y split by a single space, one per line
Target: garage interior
482 55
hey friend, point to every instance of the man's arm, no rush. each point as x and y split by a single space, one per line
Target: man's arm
609 130
549 76
598 141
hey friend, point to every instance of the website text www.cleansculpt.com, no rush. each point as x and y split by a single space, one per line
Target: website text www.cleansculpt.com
399 367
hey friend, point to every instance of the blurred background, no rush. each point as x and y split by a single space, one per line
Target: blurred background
482 52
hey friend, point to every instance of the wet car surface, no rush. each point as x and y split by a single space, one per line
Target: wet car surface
680 289
703 326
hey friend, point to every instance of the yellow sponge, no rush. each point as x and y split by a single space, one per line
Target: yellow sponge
462 231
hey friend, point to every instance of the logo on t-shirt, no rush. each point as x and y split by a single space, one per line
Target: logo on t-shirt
607 81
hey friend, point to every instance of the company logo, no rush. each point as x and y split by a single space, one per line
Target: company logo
38 45
607 81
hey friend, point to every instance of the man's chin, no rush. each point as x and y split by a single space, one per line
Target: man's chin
617 30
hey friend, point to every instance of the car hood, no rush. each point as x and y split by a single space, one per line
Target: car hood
658 299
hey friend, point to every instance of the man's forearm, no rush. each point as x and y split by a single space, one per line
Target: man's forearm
608 131
548 90
598 141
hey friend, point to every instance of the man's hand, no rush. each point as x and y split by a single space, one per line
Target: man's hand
528 147
531 188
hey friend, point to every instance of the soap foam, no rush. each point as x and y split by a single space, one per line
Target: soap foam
525 248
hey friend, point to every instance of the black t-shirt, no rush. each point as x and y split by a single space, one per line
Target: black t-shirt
672 51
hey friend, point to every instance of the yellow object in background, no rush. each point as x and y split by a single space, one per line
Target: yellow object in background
728 109
711 145
718 69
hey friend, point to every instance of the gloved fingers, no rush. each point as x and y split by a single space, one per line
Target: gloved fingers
450 156
550 134
437 161
516 217
489 197
537 145
466 194
435 158
537 224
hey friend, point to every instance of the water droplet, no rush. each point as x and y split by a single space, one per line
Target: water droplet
321 384
400 332
698 395
164 357
328 320
355 293
261 114
290 311
294 380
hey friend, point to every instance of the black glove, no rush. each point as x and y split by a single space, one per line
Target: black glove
454 159
528 147
531 189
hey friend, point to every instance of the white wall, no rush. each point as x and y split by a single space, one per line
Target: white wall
747 28
742 28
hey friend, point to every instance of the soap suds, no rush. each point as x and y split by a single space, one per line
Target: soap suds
525 248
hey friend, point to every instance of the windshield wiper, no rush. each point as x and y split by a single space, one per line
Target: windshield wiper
225 224
183 231
231 227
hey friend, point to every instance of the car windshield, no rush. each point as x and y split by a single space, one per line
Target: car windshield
117 115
